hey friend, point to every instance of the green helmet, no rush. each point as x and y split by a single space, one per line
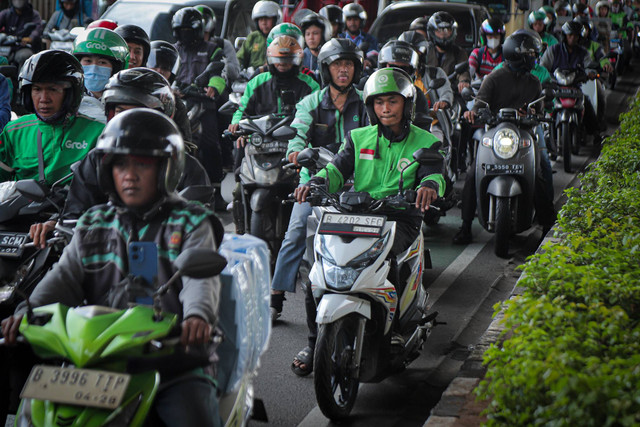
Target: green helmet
286 29
105 43
387 81
549 22
536 15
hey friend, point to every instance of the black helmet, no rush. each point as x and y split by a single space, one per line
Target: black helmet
521 49
562 5
354 10
134 34
587 25
53 66
399 51
188 25
141 87
571 27
442 20
492 26
320 22
336 49
142 132
419 24
580 8
165 56
334 14
415 39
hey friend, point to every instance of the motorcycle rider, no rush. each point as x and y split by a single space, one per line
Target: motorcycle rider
232 67
484 59
102 53
128 89
442 29
355 18
333 14
570 55
13 21
139 44
537 21
317 32
195 55
385 145
551 21
142 159
43 145
67 17
323 119
265 14
520 52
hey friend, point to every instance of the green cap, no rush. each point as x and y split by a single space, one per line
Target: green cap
103 42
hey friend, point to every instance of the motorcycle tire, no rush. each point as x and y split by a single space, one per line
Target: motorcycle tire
502 226
577 137
336 389
565 139
263 226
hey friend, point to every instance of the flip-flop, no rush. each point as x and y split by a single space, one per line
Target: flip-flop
305 357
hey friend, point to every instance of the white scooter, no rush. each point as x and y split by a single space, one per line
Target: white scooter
358 303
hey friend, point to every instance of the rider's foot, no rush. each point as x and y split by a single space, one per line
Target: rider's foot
463 236
397 340
277 298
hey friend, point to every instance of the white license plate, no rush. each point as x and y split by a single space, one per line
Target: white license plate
82 387
504 169
349 224
11 243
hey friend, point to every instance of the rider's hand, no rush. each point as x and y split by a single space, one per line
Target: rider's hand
233 127
25 41
592 76
469 116
426 196
607 68
195 330
462 85
211 92
38 233
293 158
241 142
301 193
10 327
440 105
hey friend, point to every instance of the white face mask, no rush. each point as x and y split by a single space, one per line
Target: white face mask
493 43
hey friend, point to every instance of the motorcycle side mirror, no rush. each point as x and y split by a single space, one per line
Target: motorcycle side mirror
284 133
200 263
437 83
462 67
33 190
592 65
308 158
198 193
238 42
428 157
28 27
423 121
467 94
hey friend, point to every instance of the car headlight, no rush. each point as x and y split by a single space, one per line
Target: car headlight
505 143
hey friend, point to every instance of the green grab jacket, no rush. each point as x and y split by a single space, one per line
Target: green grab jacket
378 173
63 144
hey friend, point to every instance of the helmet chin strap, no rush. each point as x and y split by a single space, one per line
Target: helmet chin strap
341 90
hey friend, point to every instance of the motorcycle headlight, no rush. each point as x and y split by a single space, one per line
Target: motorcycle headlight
268 177
505 143
564 79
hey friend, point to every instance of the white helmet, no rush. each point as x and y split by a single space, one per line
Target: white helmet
266 9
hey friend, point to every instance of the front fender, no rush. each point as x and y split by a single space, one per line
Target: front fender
504 186
259 199
566 116
335 306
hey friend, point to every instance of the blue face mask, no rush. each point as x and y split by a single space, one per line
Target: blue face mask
96 77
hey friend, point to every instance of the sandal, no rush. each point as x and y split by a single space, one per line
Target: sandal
305 358
276 305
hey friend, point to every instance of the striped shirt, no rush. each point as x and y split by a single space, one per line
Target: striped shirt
481 62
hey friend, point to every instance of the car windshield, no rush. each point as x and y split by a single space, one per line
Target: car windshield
151 15
392 24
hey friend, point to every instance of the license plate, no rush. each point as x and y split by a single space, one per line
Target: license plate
504 169
11 244
5 50
82 387
351 225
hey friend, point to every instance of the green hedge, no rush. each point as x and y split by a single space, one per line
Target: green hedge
572 353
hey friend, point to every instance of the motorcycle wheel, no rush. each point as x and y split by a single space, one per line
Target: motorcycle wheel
577 136
565 139
263 226
502 226
336 388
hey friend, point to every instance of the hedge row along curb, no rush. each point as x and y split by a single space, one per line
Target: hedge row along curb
572 356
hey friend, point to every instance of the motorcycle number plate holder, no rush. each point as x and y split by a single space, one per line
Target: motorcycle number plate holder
351 224
503 169
11 244
82 387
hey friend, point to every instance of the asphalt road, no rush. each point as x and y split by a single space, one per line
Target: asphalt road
465 283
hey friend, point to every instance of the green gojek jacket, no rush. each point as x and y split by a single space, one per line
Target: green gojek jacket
62 145
375 163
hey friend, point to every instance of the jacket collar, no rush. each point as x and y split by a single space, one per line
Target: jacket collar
327 104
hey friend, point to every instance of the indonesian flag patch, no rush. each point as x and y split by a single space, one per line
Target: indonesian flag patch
366 154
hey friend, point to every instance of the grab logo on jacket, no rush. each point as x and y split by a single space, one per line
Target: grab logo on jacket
403 163
76 145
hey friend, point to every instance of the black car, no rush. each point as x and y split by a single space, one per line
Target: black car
154 16
396 18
